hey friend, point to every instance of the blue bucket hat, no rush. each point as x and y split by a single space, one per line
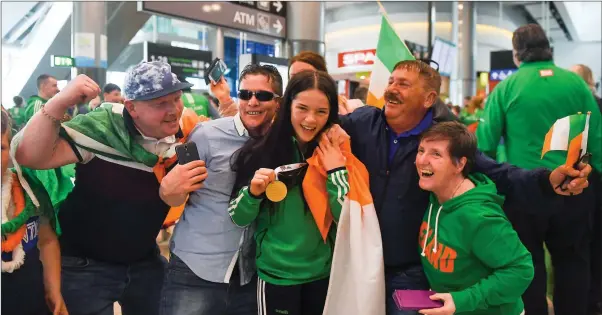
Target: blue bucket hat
149 80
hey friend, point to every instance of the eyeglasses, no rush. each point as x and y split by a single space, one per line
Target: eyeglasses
262 96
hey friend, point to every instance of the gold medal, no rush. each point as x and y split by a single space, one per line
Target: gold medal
276 191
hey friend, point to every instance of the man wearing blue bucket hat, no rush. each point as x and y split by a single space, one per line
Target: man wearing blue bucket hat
111 218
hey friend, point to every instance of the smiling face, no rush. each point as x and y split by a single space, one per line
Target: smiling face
436 168
406 95
257 115
309 114
157 118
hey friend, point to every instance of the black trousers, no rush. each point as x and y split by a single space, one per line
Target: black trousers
303 299
567 233
595 301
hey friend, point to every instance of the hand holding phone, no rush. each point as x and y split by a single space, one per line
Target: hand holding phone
215 72
585 160
187 153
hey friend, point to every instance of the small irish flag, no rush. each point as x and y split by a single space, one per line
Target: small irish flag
389 51
568 134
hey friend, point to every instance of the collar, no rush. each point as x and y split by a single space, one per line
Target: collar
536 64
133 130
240 127
426 122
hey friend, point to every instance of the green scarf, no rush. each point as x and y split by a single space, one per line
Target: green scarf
104 132
30 209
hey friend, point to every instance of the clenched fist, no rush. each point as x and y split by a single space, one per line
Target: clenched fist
80 90
260 181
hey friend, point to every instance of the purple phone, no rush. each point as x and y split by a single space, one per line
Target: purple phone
415 300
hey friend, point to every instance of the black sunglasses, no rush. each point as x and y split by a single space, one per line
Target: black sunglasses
262 96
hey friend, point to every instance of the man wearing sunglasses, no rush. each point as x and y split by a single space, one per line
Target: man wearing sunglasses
212 265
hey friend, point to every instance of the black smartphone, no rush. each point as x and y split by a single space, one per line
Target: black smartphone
215 71
187 153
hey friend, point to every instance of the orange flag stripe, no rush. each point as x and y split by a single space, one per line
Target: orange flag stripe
547 142
574 150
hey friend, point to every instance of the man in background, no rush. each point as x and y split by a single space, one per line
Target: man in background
47 88
199 104
112 93
17 112
522 109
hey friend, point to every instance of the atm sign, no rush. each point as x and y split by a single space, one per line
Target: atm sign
357 58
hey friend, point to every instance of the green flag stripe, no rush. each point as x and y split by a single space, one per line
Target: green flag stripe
390 49
577 125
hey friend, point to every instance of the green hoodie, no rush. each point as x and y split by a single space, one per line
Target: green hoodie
290 248
34 104
198 103
479 258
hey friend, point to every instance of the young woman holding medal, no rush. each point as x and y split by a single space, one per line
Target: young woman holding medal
293 259
31 258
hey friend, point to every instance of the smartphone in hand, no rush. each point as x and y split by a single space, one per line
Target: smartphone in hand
187 153
215 72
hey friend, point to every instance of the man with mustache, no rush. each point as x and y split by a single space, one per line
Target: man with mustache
386 141
111 218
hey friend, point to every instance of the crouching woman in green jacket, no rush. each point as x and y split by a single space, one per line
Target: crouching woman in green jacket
470 253
292 256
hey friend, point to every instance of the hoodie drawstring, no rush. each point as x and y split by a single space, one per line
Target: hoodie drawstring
428 225
437 228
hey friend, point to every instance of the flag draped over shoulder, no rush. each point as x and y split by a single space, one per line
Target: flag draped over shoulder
389 51
568 134
104 133
357 280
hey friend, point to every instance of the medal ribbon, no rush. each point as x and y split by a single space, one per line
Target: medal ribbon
288 167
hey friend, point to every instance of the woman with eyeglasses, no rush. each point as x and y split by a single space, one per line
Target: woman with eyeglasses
293 259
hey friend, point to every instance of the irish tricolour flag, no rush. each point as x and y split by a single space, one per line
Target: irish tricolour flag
389 51
568 134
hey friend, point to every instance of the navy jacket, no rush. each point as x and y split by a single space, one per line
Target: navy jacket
399 201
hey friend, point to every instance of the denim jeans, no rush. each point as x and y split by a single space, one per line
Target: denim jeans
412 278
184 293
91 287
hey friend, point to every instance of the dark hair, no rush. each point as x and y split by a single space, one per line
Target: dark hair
18 100
276 148
431 77
531 44
110 87
270 72
462 143
310 58
42 79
